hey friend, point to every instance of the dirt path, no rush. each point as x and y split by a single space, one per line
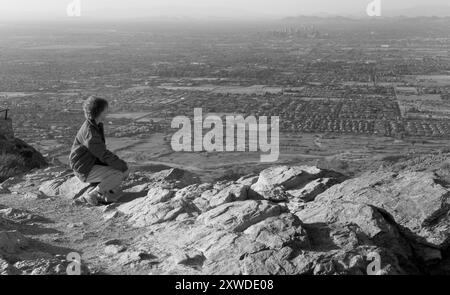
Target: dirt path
66 228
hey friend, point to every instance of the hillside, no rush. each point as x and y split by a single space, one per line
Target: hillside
17 157
286 220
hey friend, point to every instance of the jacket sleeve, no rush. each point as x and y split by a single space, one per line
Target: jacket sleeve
97 147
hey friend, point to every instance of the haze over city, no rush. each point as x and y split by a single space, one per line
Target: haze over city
27 10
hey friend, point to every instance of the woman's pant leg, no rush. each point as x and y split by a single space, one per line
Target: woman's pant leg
107 178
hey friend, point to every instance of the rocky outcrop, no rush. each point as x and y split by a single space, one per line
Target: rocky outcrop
17 157
417 201
286 220
234 228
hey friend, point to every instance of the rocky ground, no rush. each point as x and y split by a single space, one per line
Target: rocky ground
286 220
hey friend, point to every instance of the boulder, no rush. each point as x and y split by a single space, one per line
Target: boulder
158 206
71 187
418 201
289 177
273 182
279 231
238 216
372 226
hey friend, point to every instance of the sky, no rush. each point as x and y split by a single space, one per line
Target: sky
22 10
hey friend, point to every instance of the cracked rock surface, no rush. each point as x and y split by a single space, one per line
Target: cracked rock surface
286 220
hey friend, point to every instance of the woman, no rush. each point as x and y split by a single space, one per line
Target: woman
91 161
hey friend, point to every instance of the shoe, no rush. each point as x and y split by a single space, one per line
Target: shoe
92 198
104 201
111 196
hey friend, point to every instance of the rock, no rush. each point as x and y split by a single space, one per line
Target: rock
288 220
193 194
309 192
4 190
114 249
186 216
111 215
157 207
10 182
18 215
276 194
179 177
18 158
51 187
46 266
12 242
192 191
143 214
238 216
135 191
223 250
71 188
110 207
159 195
316 248
252 237
268 262
34 195
77 224
248 180
273 182
230 193
113 242
417 201
289 177
78 202
279 231
373 228
141 188
7 269
131 257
